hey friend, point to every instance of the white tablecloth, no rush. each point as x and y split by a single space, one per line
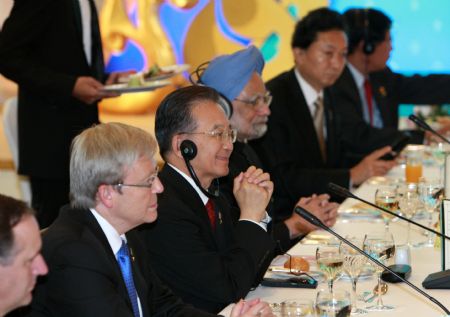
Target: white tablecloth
406 300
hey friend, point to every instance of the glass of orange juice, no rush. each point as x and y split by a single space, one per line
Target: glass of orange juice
413 169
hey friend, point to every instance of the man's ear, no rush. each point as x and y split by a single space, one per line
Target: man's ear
298 54
105 195
176 142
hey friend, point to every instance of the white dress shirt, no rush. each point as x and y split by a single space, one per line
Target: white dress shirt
86 17
311 96
359 79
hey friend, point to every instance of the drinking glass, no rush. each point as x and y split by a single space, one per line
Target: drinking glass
381 247
330 262
438 151
354 262
386 197
297 308
333 304
413 170
430 193
408 204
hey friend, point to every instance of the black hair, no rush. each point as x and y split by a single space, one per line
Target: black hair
319 20
368 25
174 114
11 213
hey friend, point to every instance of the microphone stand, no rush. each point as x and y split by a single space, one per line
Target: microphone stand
422 124
315 221
343 192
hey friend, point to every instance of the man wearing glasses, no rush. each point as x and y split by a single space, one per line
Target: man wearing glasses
195 247
98 266
238 78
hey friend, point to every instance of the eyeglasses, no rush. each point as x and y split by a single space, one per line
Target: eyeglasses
224 136
258 101
149 183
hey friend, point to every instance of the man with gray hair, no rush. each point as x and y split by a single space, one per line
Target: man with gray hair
21 261
98 265
238 78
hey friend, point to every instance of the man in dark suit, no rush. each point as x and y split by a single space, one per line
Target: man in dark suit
238 78
54 53
194 247
371 89
304 145
21 261
98 265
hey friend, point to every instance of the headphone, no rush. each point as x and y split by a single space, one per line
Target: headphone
368 44
196 79
189 152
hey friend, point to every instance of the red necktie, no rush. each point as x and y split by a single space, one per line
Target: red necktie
368 93
211 213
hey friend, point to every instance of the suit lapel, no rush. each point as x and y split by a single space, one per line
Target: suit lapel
299 110
189 196
94 234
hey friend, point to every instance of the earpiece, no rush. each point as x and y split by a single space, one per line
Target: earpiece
188 150
368 45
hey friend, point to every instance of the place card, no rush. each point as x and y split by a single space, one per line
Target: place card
445 229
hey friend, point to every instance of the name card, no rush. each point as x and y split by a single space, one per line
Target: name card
445 229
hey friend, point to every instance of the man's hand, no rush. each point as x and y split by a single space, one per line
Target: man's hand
320 206
89 90
252 191
371 165
252 308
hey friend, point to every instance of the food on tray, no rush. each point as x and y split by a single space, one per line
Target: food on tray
155 71
136 80
298 263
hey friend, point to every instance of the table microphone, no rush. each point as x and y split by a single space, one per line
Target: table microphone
345 193
422 124
316 221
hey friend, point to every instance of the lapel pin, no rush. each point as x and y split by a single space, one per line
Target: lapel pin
382 91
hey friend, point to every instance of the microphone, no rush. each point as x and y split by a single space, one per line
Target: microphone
316 221
345 193
189 151
422 124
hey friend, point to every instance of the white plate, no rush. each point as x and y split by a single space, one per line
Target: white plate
147 86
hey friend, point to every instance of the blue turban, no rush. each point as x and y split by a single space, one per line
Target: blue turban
228 74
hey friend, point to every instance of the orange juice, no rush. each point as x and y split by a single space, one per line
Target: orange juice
413 173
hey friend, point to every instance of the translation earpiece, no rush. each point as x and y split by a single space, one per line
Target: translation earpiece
188 150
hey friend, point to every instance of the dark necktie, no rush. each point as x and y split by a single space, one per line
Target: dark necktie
318 124
211 213
368 95
123 257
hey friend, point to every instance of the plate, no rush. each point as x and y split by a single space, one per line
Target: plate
281 272
147 86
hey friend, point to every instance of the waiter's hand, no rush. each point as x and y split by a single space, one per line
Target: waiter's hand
89 90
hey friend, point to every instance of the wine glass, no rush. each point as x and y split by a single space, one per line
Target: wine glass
438 152
330 262
430 194
408 204
297 307
381 247
353 265
386 197
333 304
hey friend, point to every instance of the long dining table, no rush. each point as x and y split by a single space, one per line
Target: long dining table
424 260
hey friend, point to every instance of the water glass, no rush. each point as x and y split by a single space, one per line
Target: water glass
297 308
333 304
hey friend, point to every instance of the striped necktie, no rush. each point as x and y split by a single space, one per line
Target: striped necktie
318 124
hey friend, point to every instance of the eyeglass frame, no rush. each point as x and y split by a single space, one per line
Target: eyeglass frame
230 135
256 102
152 177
